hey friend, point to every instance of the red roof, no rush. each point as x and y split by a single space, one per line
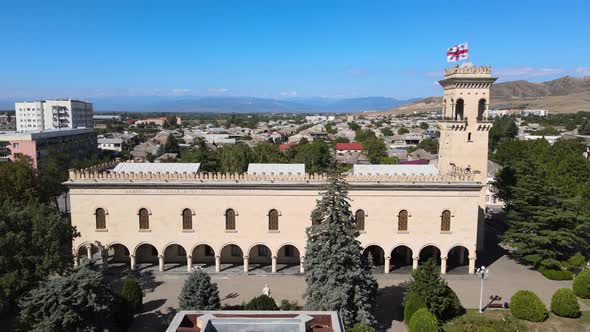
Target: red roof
287 146
349 146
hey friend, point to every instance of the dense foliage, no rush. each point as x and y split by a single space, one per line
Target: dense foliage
373 147
423 321
565 304
199 293
504 129
547 193
581 285
555 274
80 301
527 305
438 296
262 302
412 303
475 322
359 327
427 144
132 294
338 276
35 244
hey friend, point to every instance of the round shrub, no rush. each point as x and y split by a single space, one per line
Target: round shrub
423 321
565 304
262 302
412 302
527 305
359 327
582 284
199 293
131 292
555 274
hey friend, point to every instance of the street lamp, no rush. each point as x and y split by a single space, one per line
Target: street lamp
484 274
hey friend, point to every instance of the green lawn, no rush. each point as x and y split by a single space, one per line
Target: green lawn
502 321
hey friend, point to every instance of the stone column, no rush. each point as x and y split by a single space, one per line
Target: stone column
246 264
471 264
415 262
189 263
217 264
301 269
132 261
386 268
443 265
274 264
161 263
76 261
89 251
461 252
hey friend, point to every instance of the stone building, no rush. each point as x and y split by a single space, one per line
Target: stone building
404 213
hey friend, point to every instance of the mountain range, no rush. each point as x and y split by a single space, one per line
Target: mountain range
196 104
566 94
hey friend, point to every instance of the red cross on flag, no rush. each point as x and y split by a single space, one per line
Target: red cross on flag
459 52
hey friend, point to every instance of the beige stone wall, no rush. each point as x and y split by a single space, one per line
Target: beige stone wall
252 205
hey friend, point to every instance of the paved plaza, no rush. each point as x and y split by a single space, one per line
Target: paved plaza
506 277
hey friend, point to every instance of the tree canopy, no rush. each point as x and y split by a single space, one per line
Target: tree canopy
338 276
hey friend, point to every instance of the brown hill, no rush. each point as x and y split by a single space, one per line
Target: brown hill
563 95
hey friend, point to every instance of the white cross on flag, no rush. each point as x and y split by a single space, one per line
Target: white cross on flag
459 52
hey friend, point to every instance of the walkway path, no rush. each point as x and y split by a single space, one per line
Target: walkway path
506 277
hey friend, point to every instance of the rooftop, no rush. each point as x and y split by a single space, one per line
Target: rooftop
255 168
190 168
349 146
394 169
259 321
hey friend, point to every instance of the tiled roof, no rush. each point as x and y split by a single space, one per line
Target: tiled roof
349 146
394 169
276 168
157 167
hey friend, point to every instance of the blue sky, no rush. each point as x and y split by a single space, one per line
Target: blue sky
278 48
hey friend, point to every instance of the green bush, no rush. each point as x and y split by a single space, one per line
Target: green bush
555 274
582 284
565 304
288 305
412 302
526 305
262 302
474 322
131 292
359 327
423 321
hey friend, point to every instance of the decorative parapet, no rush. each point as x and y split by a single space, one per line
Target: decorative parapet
468 69
88 175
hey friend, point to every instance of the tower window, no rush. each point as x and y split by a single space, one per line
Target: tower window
481 108
469 137
459 106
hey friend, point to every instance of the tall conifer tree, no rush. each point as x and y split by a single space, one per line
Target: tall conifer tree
338 277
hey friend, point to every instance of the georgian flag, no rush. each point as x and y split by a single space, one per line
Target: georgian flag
459 52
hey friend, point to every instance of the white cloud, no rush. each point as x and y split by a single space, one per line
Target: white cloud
180 92
525 72
218 90
288 93
585 71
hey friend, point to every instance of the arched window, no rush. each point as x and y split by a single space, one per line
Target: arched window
459 109
402 221
445 221
101 222
187 219
360 220
273 220
230 220
144 219
481 108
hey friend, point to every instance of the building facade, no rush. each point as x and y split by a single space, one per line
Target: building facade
404 213
78 143
53 114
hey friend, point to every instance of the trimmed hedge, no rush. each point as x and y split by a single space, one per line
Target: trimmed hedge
262 302
423 321
581 284
359 327
555 274
526 305
565 304
412 302
131 292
